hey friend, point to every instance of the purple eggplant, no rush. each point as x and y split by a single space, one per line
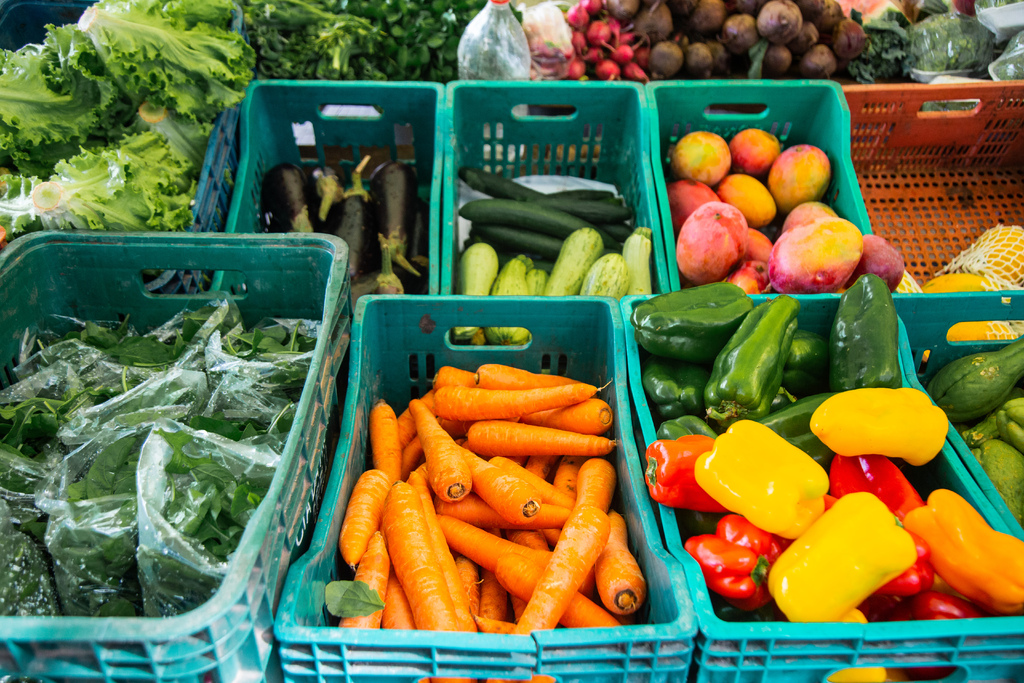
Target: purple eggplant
393 185
354 220
283 206
418 252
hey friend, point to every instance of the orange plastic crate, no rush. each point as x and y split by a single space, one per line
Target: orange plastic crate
934 180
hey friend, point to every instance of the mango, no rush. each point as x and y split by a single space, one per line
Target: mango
711 242
800 174
760 247
808 212
882 259
816 258
754 151
701 156
684 197
748 195
751 277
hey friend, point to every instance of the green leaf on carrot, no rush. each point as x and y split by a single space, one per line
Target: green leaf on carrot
351 599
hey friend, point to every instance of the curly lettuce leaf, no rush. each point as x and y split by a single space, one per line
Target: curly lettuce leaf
887 52
197 71
18 214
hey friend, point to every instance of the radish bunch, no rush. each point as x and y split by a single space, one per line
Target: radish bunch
603 48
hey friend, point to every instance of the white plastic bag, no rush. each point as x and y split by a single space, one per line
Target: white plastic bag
550 41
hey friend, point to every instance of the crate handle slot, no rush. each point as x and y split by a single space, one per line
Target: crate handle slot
152 280
535 112
959 112
734 110
464 345
363 112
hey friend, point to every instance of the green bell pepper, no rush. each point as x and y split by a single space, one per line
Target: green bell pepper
748 372
793 423
692 324
695 522
684 426
674 387
806 371
864 343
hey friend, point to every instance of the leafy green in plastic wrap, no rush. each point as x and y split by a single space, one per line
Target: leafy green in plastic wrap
1010 65
992 4
26 589
950 42
887 52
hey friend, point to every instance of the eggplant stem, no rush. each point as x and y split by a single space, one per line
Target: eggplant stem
396 249
387 281
357 189
330 191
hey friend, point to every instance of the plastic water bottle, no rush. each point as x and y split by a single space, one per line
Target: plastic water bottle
494 46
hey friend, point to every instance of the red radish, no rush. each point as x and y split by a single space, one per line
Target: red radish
623 54
592 6
627 38
577 17
577 69
598 33
633 72
607 70
615 26
642 56
593 55
579 42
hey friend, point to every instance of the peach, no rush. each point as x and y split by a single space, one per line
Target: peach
712 240
754 151
760 247
748 195
684 197
882 259
800 174
751 277
808 212
701 156
816 258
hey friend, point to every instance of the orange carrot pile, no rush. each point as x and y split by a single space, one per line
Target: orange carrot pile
507 531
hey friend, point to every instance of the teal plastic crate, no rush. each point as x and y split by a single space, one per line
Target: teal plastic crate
928 319
796 112
398 344
589 130
727 652
344 122
24 21
99 277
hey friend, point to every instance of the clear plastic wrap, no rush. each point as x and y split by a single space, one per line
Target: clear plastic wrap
197 492
1010 65
949 44
494 47
550 40
276 354
26 589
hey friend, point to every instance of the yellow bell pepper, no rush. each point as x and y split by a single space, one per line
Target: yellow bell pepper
852 551
896 423
982 564
754 472
866 674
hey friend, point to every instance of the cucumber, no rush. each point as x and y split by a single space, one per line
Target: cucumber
536 279
511 281
478 268
528 215
518 240
597 212
496 186
584 195
609 241
619 231
579 251
607 277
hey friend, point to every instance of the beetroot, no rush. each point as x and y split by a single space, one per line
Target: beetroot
810 9
807 39
779 21
848 39
633 72
666 59
699 60
653 22
607 70
721 59
641 56
577 69
707 17
682 8
818 62
598 33
777 61
831 14
751 7
627 37
623 54
577 17
739 33
623 9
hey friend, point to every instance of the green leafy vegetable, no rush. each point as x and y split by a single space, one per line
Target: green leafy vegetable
1010 65
887 52
950 42
757 52
25 585
351 599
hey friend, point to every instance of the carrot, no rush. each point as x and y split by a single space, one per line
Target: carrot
475 510
442 555
511 497
407 425
596 484
486 625
456 428
397 613
373 571
551 536
412 554
447 376
481 546
384 441
412 456
543 467
529 539
518 606
520 576
567 473
470 576
548 492
448 473
498 437
362 516
592 416
467 403
626 619
519 459
493 598
494 376
620 583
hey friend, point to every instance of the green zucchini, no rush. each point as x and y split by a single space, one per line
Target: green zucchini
583 195
619 231
607 277
536 280
511 281
528 215
518 240
579 251
496 186
598 212
478 269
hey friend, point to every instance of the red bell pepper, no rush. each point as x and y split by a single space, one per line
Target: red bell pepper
670 477
735 561
875 474
880 607
931 605
916 579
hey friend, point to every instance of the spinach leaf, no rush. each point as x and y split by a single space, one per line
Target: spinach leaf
113 471
180 462
148 351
